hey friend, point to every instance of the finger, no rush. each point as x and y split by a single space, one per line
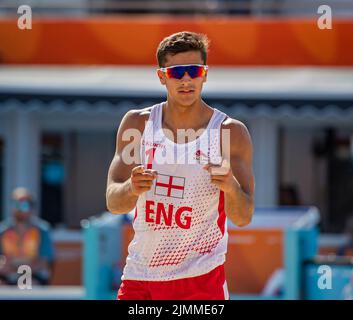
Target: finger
216 180
151 171
145 174
219 171
143 177
146 184
143 189
209 167
218 177
138 169
217 183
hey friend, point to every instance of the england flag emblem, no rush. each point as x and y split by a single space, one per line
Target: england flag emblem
170 186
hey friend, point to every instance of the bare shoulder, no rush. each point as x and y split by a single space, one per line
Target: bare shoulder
237 128
239 136
136 118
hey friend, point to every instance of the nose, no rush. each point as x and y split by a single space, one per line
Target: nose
186 77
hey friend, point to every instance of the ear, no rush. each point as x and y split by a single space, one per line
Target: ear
205 77
161 77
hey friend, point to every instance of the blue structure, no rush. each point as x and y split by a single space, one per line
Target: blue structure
300 244
101 253
340 285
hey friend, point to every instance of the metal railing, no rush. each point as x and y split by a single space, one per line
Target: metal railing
246 7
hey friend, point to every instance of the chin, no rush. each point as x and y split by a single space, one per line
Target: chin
186 102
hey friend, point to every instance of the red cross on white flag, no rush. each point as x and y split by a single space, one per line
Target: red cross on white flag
170 186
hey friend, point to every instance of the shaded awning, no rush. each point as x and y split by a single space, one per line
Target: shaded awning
316 93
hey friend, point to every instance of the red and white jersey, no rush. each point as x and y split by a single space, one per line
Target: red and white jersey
180 224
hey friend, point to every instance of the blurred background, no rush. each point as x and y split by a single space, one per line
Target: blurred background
66 83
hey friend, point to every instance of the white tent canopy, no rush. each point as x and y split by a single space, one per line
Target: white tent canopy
226 82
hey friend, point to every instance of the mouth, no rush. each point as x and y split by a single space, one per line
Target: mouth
186 91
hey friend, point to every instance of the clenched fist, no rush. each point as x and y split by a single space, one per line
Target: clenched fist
141 179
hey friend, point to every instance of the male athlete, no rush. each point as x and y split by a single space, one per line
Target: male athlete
181 190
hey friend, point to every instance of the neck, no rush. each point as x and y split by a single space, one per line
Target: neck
177 116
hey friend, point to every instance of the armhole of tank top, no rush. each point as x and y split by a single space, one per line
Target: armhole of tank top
219 120
152 117
158 117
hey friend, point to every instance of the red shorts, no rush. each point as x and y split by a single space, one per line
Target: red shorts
209 286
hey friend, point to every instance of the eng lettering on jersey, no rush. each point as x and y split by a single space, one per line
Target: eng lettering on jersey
157 213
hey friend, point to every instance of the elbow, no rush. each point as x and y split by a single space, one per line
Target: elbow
116 206
112 206
243 223
246 218
113 210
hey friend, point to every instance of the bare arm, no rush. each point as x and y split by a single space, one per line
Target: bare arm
126 178
239 183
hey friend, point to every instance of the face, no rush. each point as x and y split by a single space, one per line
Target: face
185 91
22 209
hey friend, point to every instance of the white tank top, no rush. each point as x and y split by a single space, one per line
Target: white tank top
180 224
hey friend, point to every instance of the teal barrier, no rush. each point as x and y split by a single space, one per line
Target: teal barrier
101 254
329 278
299 246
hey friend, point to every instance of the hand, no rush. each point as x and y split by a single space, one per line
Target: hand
5 265
141 179
222 176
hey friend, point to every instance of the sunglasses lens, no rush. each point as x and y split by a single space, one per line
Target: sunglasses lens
195 71
178 72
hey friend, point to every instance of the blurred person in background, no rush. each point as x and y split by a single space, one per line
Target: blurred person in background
25 240
347 248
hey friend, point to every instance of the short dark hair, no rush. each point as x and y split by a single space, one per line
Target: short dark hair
182 42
